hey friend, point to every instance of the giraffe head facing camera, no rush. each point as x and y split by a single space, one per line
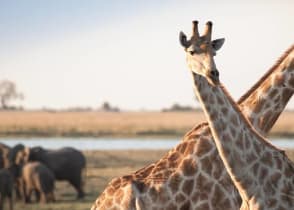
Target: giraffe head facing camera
200 52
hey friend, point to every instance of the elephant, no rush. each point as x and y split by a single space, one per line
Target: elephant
66 163
35 176
4 152
15 158
6 187
17 155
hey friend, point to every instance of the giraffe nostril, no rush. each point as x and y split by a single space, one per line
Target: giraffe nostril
214 73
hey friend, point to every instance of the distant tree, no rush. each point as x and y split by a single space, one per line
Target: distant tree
8 93
178 108
108 108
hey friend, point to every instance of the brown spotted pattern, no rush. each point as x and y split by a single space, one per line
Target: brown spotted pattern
171 184
262 173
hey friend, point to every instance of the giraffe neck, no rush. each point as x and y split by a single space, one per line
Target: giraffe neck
265 101
234 137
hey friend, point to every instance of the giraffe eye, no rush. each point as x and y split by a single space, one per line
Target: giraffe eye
203 46
192 52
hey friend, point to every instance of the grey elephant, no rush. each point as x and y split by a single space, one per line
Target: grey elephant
7 177
4 152
66 163
36 177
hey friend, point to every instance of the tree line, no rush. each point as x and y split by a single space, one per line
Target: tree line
9 93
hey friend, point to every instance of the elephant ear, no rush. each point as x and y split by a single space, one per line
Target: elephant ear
4 158
22 156
39 150
13 153
36 153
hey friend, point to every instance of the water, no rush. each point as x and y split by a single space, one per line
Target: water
115 144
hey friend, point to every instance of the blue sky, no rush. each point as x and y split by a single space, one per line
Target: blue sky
82 53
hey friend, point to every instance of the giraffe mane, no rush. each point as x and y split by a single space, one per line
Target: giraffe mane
273 68
194 129
246 120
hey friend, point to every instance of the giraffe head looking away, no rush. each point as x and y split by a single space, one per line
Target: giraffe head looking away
202 50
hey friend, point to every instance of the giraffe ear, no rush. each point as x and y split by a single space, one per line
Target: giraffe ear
183 40
217 43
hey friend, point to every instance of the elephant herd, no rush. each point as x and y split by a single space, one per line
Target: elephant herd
25 170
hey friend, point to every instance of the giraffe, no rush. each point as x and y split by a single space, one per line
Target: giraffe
212 186
262 173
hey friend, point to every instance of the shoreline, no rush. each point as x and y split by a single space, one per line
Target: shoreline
154 135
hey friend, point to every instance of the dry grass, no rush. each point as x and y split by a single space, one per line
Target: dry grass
97 123
285 125
112 124
102 167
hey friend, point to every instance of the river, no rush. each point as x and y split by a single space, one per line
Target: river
115 143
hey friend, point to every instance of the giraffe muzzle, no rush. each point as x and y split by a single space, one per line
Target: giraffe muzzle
214 76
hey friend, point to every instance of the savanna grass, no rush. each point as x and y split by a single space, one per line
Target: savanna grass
124 124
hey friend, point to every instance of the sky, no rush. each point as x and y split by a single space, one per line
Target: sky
70 53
